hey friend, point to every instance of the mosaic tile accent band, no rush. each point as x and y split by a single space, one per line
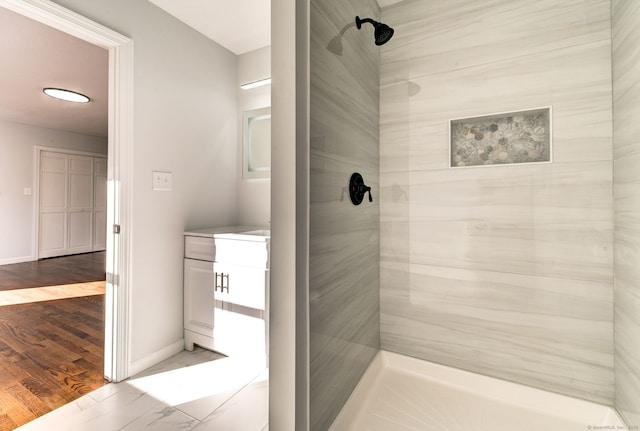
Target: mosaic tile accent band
500 139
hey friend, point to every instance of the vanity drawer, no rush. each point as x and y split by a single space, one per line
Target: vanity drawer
198 247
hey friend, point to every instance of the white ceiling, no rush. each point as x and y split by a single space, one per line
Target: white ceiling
35 56
238 25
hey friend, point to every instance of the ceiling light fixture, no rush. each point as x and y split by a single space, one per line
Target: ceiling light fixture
67 95
260 83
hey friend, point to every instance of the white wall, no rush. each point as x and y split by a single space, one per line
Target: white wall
185 122
254 195
17 172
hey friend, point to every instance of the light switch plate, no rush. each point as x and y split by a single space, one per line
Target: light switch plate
162 181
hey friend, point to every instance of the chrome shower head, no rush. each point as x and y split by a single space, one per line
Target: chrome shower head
382 32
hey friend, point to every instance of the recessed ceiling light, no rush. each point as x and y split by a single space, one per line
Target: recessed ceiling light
67 95
255 84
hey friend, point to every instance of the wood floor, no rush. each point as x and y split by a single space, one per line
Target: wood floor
51 352
77 268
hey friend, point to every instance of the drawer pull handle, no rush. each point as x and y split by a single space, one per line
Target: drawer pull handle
223 286
220 284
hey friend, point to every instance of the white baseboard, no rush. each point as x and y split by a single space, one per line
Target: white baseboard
157 356
11 260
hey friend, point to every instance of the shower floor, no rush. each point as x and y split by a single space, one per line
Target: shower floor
399 393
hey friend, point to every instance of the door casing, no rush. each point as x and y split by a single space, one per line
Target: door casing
119 169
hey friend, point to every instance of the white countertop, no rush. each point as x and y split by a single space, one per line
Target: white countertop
253 233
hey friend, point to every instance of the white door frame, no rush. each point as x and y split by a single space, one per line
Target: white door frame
119 170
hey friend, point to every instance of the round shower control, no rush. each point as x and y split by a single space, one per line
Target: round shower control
357 189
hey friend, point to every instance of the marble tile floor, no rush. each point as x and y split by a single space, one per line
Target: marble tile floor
197 390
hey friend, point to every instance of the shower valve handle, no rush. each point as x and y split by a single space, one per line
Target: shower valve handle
367 189
357 189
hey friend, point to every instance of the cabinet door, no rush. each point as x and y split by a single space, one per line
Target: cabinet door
199 296
240 309
243 285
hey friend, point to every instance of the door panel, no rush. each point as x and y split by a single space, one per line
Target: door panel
80 231
80 217
53 162
240 309
81 182
53 234
245 285
53 204
53 192
199 296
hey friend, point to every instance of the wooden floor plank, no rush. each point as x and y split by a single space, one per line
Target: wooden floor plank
26 405
51 352
53 271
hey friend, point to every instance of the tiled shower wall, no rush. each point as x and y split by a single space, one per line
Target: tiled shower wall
344 242
626 152
505 270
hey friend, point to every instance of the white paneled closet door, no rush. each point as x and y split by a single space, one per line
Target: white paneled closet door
54 174
100 204
80 211
72 194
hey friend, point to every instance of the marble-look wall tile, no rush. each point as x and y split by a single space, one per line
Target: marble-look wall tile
575 82
626 132
552 219
394 216
506 270
433 36
344 240
626 99
395 109
512 326
626 88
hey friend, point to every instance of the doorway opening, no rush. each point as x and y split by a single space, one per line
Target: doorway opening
118 237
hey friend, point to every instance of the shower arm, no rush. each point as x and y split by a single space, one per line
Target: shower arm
362 20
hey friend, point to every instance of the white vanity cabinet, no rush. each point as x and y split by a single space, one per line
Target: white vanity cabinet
226 290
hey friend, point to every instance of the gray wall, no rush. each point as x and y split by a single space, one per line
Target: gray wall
343 239
507 270
626 152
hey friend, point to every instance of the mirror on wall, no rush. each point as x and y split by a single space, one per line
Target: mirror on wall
256 136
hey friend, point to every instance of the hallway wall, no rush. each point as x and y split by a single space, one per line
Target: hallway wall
17 172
